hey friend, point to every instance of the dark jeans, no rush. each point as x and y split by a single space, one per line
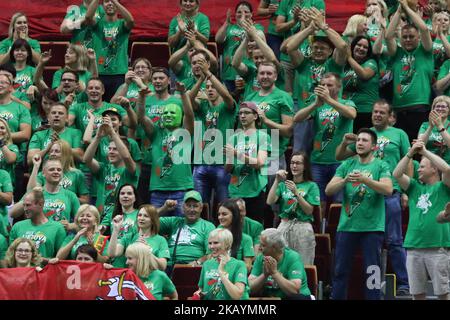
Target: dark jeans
159 197
111 83
322 174
255 207
274 43
394 238
363 120
346 245
411 118
144 182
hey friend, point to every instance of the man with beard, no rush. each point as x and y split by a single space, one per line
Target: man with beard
40 142
48 235
333 117
364 180
171 174
392 145
110 42
412 69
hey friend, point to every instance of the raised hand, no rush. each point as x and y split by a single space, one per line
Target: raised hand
46 56
281 175
350 138
37 160
91 54
124 102
180 87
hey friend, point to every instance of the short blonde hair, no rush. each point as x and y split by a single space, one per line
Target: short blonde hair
88 207
352 25
224 236
8 138
438 99
10 256
81 53
146 261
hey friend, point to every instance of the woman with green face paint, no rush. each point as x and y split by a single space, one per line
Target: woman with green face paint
246 153
171 174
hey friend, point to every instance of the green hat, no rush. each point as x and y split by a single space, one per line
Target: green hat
193 195
112 110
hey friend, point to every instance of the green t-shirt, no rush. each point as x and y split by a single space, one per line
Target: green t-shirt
154 109
129 224
329 128
289 206
444 70
171 166
275 105
102 150
3 246
72 180
213 131
308 75
248 182
159 284
425 203
48 237
211 284
24 79
412 73
10 167
272 19
192 241
7 43
201 24
133 92
362 92
439 54
83 35
99 242
436 143
109 180
83 75
5 186
15 114
363 209
62 205
234 36
291 267
41 139
251 79
253 228
80 111
111 46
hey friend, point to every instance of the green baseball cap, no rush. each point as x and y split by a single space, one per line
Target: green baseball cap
193 195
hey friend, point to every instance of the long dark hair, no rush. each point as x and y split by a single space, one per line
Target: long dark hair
18 44
118 206
307 175
369 49
236 224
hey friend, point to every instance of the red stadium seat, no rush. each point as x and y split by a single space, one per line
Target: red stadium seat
58 52
332 221
185 278
157 52
317 223
322 258
313 282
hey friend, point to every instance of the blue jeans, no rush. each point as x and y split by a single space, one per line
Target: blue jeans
303 136
346 245
322 174
394 238
208 177
159 197
274 43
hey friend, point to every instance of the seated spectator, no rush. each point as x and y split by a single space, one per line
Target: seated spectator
278 271
21 58
143 263
377 17
9 152
87 221
147 232
223 277
22 253
18 29
297 198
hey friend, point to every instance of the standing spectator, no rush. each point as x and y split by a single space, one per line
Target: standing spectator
436 132
278 271
377 17
246 153
143 263
223 277
47 234
188 20
269 8
333 117
231 35
360 81
297 198
441 45
78 22
412 68
392 145
9 153
364 180
110 36
21 56
18 29
426 240
171 172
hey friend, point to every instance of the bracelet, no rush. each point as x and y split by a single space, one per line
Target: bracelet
441 130
408 156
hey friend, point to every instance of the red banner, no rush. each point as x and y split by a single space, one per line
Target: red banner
69 280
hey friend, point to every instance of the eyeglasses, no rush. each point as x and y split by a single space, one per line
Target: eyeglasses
68 80
26 251
192 206
245 112
141 67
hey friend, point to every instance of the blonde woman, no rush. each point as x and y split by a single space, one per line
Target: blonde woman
377 17
143 263
9 152
22 253
441 44
356 26
87 220
18 29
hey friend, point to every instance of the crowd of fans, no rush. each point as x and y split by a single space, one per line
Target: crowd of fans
118 164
